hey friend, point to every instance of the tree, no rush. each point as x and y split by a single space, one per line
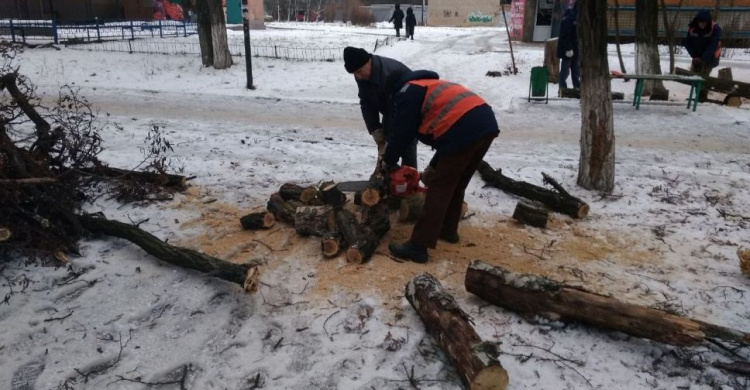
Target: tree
646 44
212 34
669 30
596 167
617 36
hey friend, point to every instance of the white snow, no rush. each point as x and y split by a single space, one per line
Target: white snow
675 169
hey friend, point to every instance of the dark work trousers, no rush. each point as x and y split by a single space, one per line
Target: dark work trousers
445 194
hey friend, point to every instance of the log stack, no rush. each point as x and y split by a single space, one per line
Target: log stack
536 295
474 360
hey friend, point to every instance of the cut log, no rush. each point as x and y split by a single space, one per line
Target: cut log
571 93
289 191
358 198
411 208
312 220
725 74
246 275
374 192
735 88
258 221
556 301
331 195
163 180
282 210
551 61
347 225
5 234
474 360
331 244
560 201
732 101
529 214
742 368
376 224
308 195
744 256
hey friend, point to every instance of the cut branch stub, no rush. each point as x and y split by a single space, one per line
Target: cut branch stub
474 360
257 221
5 234
556 301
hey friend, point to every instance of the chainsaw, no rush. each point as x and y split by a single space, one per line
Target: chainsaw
402 182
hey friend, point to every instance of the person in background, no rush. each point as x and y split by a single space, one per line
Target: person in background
703 43
397 18
411 21
460 126
370 71
567 49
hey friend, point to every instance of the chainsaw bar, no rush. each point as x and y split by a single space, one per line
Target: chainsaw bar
353 186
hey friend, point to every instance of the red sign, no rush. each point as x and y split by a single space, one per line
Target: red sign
517 10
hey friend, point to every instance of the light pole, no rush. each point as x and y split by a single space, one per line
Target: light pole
248 55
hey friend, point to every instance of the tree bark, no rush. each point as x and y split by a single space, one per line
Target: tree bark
222 57
411 208
529 214
558 302
742 368
596 168
347 225
561 202
205 39
744 256
669 30
282 210
376 224
551 61
312 220
289 191
331 243
617 36
474 360
258 221
735 88
246 275
646 43
331 195
572 93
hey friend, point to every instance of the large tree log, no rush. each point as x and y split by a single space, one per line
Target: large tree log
374 193
246 275
742 368
281 209
163 180
347 225
257 221
376 224
529 214
312 220
558 302
474 360
289 191
561 202
572 93
735 88
331 195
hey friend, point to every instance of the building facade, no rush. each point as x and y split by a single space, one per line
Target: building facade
463 13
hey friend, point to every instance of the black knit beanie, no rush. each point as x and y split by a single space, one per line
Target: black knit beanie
355 58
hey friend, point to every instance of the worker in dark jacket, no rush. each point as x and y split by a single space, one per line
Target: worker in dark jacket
703 43
460 127
371 71
567 49
411 21
398 19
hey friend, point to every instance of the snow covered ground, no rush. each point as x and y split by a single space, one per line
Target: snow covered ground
126 319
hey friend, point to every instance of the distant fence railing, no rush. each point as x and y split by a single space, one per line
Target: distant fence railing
92 31
387 41
237 49
734 21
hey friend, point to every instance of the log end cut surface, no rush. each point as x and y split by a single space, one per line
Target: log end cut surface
370 197
490 378
354 255
583 211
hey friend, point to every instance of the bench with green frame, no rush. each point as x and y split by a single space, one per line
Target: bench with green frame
695 82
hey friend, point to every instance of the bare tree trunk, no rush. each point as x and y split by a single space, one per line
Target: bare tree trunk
617 36
596 168
669 31
646 43
222 57
204 32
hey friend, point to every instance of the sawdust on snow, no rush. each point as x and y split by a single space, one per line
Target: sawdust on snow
559 251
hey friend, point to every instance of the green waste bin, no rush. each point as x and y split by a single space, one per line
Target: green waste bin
538 84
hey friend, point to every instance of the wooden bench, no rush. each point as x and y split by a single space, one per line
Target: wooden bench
695 82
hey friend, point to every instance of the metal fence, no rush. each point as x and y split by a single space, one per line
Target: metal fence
91 31
236 48
734 21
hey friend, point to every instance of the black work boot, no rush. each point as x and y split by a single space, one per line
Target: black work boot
408 250
451 237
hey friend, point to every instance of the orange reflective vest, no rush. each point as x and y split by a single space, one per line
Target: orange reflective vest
693 33
444 104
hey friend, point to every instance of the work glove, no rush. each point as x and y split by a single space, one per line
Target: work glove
569 53
427 175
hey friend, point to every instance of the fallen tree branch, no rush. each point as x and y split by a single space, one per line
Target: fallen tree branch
30 180
163 180
245 275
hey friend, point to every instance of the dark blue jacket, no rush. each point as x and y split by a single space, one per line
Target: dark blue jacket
411 20
568 39
703 43
407 117
373 99
397 18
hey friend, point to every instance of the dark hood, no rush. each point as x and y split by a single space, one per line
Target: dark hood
702 16
409 11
